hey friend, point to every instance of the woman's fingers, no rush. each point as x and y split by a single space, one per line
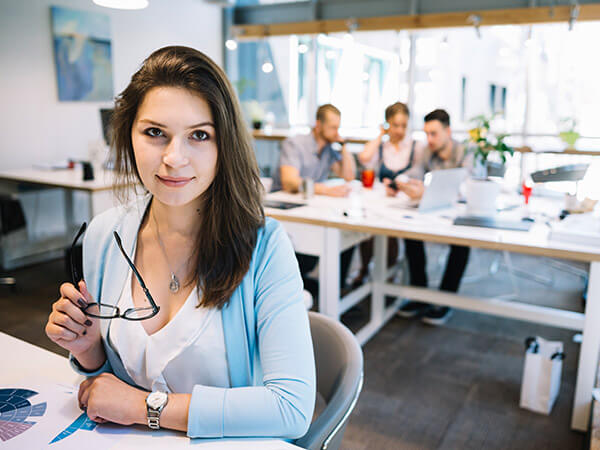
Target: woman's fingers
67 307
84 392
63 320
56 333
86 294
67 290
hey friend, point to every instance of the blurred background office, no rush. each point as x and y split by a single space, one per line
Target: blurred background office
523 70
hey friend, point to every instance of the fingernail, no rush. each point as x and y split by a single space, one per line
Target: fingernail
81 302
88 322
84 332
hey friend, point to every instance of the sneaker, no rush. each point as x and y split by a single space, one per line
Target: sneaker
437 315
412 309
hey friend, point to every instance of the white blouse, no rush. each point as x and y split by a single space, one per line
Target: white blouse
396 158
187 351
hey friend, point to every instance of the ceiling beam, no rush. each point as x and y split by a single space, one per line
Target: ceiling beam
515 16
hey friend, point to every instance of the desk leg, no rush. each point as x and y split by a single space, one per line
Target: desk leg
379 278
69 214
329 273
588 354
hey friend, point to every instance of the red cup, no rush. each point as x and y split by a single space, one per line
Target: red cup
368 178
526 188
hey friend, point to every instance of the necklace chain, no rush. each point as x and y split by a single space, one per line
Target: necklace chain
174 283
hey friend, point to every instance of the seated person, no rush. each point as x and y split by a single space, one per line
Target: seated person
442 152
216 341
313 156
394 153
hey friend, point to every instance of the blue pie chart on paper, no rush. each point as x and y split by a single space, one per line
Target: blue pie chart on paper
15 411
83 422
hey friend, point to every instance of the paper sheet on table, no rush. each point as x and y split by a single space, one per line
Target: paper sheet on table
36 415
32 415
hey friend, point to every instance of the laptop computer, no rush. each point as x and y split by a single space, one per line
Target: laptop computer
441 190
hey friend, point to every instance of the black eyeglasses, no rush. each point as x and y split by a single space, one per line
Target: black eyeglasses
102 310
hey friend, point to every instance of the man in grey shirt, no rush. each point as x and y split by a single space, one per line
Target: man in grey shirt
315 155
442 152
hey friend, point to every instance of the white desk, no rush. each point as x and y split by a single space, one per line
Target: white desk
22 361
100 198
320 226
99 189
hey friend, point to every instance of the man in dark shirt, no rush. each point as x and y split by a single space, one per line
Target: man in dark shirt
442 153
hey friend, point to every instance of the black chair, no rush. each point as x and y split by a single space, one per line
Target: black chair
12 218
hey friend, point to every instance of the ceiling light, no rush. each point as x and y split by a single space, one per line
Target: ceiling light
122 4
267 67
230 44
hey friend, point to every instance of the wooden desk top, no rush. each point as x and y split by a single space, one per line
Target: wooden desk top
62 178
387 216
281 134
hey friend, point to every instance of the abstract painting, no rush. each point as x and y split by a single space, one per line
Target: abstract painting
82 53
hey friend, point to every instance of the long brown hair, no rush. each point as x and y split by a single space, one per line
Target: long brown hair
232 209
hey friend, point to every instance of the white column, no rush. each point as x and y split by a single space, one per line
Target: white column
588 355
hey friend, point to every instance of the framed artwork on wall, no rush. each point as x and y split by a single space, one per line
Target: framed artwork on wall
82 55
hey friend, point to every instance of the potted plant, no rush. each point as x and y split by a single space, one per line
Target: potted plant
482 191
256 113
569 135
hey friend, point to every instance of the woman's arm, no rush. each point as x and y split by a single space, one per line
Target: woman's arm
366 156
283 405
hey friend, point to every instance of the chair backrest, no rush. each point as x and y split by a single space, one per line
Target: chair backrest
339 364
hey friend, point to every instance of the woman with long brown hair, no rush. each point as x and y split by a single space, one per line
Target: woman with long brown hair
191 315
395 154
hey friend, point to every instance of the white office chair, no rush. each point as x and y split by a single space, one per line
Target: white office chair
308 299
339 363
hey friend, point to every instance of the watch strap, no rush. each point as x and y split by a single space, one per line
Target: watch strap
153 414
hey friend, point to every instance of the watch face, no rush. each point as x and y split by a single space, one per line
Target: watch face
156 399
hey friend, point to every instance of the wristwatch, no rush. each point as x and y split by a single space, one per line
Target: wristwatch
155 403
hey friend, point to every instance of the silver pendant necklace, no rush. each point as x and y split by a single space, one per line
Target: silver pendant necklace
174 283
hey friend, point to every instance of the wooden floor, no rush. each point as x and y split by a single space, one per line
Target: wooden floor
450 387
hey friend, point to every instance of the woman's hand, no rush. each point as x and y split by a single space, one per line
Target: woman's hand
69 327
106 398
389 187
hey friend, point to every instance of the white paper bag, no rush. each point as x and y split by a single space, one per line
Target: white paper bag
541 374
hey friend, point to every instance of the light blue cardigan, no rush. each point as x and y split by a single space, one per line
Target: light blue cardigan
267 335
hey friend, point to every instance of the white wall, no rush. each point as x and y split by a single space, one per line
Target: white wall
34 126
